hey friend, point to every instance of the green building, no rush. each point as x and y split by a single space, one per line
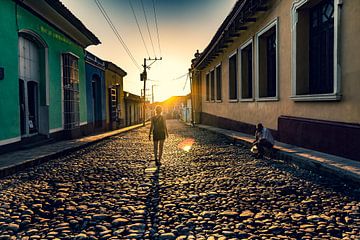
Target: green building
42 71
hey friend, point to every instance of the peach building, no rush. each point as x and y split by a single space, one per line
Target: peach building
293 65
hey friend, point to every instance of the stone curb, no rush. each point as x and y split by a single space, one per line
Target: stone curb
11 169
301 161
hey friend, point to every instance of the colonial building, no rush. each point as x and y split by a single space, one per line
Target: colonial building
42 70
95 92
292 65
133 109
115 107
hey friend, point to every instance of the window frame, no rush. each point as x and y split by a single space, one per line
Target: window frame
236 99
271 24
212 88
336 94
63 99
207 87
216 82
242 47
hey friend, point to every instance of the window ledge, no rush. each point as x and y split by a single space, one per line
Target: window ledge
267 99
219 101
316 97
246 99
233 100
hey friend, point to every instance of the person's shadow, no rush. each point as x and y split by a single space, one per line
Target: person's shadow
152 204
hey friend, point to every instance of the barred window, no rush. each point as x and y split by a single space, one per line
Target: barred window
233 77
207 87
212 85
71 91
218 83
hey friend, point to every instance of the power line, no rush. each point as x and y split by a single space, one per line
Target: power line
177 78
157 28
147 24
137 23
187 78
108 20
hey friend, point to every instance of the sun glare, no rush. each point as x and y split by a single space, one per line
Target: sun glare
187 144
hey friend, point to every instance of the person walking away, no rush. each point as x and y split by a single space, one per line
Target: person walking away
159 131
263 139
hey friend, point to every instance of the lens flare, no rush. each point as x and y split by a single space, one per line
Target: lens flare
186 145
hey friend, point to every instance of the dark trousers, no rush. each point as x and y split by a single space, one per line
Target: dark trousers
262 144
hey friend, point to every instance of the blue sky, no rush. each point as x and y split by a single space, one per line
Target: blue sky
184 27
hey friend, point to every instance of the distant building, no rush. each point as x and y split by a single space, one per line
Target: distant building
133 109
186 109
95 92
292 65
42 71
172 107
115 106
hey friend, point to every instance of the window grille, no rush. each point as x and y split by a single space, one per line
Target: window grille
71 91
218 83
233 77
113 104
322 48
246 72
207 87
212 85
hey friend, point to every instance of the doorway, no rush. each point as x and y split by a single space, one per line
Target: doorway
96 101
29 77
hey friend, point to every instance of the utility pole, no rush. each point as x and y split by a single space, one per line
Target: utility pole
143 77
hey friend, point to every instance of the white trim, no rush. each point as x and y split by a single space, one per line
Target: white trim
247 100
233 53
270 25
10 140
215 69
316 97
83 123
207 100
336 95
233 100
56 130
244 45
72 54
236 74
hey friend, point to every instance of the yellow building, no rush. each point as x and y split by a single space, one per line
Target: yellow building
292 65
115 106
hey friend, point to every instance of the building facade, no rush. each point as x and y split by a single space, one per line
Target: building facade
133 109
115 106
292 65
42 86
95 92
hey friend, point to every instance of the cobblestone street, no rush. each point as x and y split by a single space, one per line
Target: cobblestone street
206 188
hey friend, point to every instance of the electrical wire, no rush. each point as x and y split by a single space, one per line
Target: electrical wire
108 20
177 78
157 28
187 78
147 24
137 23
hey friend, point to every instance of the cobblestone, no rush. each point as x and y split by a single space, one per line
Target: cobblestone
206 188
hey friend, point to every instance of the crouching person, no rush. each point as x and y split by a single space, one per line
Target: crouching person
263 140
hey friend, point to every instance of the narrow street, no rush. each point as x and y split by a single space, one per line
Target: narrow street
206 188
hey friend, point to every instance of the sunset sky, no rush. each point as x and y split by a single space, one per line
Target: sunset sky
184 26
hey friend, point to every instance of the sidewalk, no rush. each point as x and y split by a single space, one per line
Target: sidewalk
346 169
13 162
